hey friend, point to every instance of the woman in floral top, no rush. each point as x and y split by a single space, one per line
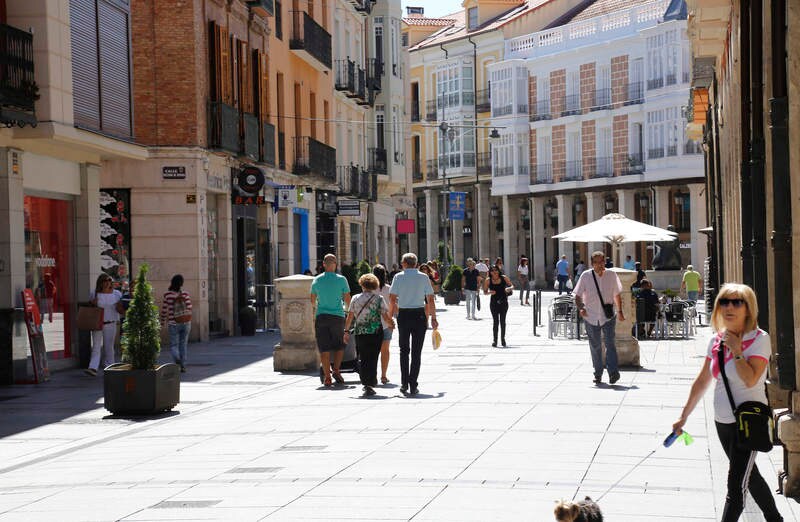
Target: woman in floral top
366 311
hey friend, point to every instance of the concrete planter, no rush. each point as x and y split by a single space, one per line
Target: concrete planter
127 391
452 297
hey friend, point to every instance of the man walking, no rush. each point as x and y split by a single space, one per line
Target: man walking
691 283
562 273
412 301
596 293
330 293
470 282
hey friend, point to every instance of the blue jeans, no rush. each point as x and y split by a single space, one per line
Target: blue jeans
593 332
178 339
692 295
470 296
562 284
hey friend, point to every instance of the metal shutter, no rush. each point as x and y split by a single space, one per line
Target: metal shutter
115 81
85 74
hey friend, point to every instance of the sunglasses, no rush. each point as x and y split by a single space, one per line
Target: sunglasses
736 302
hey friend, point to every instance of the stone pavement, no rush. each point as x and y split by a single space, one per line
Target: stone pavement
495 434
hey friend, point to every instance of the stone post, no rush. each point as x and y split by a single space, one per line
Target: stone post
627 345
298 348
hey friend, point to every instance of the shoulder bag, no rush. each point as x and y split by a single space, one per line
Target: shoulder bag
754 424
608 309
355 319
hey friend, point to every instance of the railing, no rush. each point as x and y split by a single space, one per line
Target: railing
671 79
281 150
346 76
250 135
692 147
347 179
522 108
602 167
468 160
523 170
672 150
468 99
223 129
314 157
415 110
373 196
686 76
362 6
602 99
432 169
309 36
541 111
635 93
635 164
374 73
573 170
655 83
484 162
416 170
430 110
572 104
268 144
655 153
377 160
363 185
361 87
503 110
500 172
483 101
541 173
267 7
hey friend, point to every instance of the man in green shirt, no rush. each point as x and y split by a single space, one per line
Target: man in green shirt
691 283
330 294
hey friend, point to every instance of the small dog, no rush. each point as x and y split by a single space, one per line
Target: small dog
584 511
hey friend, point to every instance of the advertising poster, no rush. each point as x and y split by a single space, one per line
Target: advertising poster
33 321
115 235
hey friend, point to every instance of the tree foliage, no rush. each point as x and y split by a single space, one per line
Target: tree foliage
453 279
141 340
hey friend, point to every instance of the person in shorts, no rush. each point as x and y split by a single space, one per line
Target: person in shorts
330 294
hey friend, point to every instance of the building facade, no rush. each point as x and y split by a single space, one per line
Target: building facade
592 114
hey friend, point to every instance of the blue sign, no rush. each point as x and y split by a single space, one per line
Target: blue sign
458 203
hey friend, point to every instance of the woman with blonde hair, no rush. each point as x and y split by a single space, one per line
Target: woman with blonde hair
107 298
741 350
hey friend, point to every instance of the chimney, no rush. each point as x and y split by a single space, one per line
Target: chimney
415 12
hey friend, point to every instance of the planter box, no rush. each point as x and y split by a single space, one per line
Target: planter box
127 391
452 297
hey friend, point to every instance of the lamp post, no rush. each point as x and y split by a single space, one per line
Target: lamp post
448 135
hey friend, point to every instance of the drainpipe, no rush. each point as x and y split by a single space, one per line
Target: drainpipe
757 158
475 214
781 237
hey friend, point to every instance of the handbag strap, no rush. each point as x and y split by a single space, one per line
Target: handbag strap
721 360
599 293
355 319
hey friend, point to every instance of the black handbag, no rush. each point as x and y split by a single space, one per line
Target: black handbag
608 309
754 423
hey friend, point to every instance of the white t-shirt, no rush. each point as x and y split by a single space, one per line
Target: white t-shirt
610 287
108 302
523 270
385 293
481 267
754 344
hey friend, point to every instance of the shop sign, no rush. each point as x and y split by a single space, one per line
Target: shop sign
250 179
287 196
191 199
173 172
349 207
248 200
405 226
686 245
33 321
45 262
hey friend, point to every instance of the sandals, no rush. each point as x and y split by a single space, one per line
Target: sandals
328 382
338 377
384 380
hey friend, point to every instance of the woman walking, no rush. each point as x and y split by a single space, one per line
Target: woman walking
367 309
103 340
522 273
741 350
497 285
379 271
176 312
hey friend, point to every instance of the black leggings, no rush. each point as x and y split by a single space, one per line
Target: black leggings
742 464
499 311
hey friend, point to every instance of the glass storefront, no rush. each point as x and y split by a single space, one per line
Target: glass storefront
215 323
49 268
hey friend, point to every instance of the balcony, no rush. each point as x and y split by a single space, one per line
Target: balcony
430 110
484 163
432 170
501 172
671 79
601 100
373 186
223 128
672 150
374 73
686 77
263 7
655 83
573 170
18 90
602 167
522 108
541 174
347 178
346 77
314 157
541 111
415 110
692 147
250 136
572 104
377 160
635 164
655 153
310 41
483 101
268 144
364 191
416 170
502 110
362 6
361 88
635 93
281 150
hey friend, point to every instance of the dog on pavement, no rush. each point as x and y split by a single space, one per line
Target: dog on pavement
586 510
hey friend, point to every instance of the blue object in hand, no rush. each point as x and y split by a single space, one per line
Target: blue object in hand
672 437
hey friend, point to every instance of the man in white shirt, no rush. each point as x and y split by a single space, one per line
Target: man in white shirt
482 267
596 293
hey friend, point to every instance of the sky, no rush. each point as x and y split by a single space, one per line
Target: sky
434 8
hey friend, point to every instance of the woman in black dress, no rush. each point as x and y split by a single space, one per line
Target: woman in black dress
497 285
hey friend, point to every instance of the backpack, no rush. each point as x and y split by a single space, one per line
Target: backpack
180 311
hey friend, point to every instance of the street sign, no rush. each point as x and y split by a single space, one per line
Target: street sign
287 196
458 203
173 172
349 207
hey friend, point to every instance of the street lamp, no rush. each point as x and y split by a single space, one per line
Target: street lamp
495 210
448 135
609 204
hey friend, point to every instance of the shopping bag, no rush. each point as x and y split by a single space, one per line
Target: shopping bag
569 284
90 318
436 337
478 301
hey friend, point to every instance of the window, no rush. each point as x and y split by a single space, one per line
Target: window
655 134
573 101
522 90
503 156
674 129
454 85
501 98
472 15
662 59
395 64
397 136
404 39
356 244
680 205
379 42
278 21
379 130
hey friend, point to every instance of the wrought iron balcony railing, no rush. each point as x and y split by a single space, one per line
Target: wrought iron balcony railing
655 153
542 173
635 164
250 136
672 150
634 93
541 111
573 170
502 110
268 144
347 177
484 163
572 104
416 170
377 160
671 78
309 36
374 73
602 167
601 99
430 110
223 128
483 101
692 147
346 77
655 83
432 170
314 157
415 110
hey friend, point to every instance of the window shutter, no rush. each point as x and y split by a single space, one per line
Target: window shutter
115 88
261 62
85 74
225 58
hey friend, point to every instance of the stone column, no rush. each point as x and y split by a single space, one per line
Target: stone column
478 222
697 205
662 206
285 241
457 230
538 264
565 223
627 201
297 349
486 230
627 345
594 210
431 223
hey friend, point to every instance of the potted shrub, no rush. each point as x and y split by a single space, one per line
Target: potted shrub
351 274
247 320
452 285
138 384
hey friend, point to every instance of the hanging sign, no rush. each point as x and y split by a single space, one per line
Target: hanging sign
287 196
250 179
458 203
349 207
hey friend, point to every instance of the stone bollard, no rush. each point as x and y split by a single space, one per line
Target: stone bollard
298 347
627 346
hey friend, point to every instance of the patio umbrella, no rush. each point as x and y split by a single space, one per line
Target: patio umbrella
616 229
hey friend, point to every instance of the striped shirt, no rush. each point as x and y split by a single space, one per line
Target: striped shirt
168 305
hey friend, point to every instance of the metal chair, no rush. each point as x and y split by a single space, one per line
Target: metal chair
647 318
562 315
676 322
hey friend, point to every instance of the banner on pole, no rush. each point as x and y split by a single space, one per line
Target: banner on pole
458 203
